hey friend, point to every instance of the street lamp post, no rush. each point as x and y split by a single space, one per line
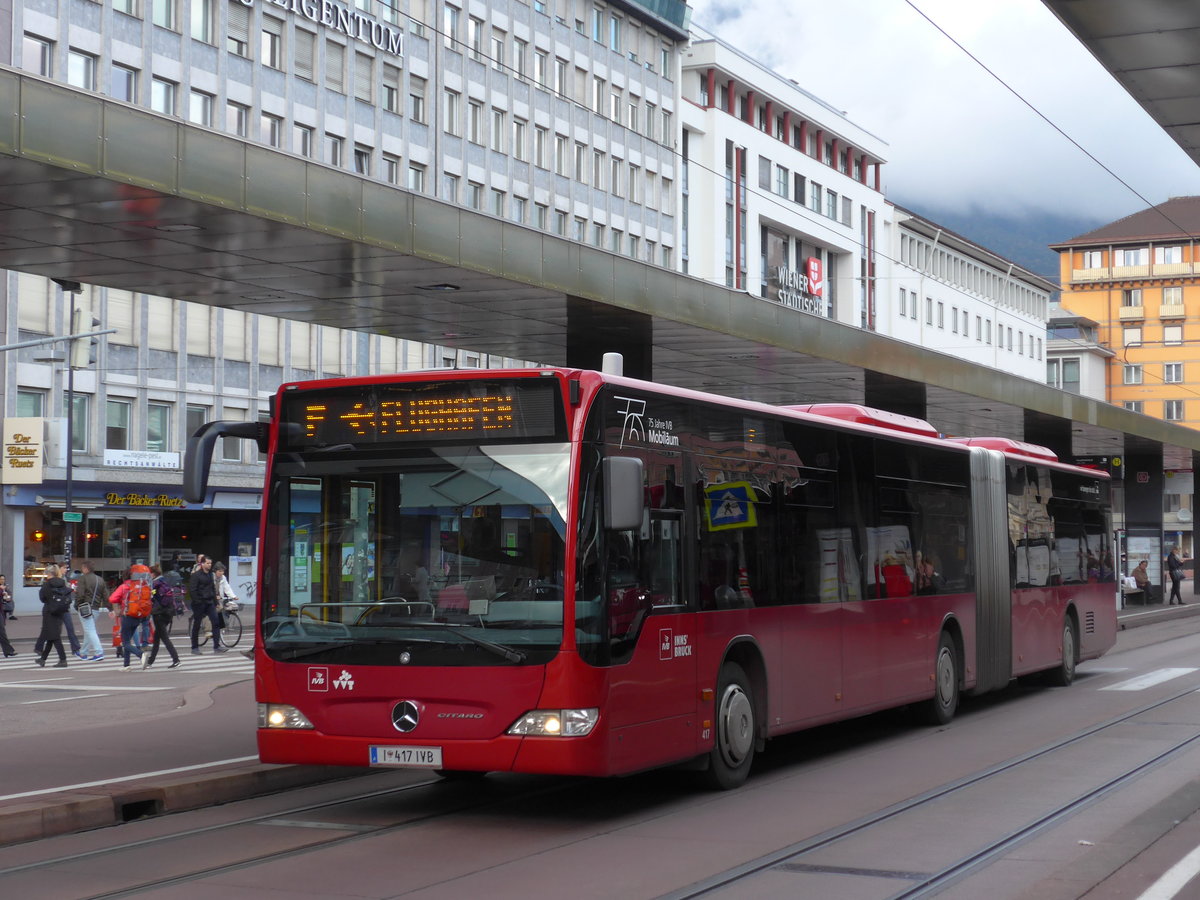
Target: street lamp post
72 288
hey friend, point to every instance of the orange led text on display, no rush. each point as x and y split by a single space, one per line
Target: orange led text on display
418 416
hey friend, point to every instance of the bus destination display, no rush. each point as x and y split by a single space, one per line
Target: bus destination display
422 412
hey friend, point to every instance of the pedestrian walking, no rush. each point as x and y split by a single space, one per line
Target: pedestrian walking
203 591
8 606
5 645
54 594
90 596
1175 570
134 598
163 611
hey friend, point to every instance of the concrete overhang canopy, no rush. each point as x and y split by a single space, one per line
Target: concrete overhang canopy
1152 48
101 192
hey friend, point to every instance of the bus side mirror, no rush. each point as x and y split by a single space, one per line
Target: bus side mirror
624 495
197 458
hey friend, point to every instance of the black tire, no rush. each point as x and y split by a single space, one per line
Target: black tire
736 730
1065 673
232 632
940 708
455 775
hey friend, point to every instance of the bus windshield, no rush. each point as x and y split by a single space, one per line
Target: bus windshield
446 556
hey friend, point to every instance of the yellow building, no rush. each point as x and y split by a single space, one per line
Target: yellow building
1139 279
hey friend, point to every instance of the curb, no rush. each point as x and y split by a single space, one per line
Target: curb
101 807
1127 619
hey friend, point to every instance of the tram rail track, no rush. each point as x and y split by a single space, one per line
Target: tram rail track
929 883
335 819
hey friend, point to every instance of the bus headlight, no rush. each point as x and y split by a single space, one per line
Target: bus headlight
280 715
556 722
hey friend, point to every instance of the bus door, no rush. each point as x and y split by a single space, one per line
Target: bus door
653 674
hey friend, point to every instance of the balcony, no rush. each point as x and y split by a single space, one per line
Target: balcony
1172 311
1120 273
1131 313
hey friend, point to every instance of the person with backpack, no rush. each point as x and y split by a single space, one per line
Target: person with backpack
163 612
203 592
134 598
90 597
55 595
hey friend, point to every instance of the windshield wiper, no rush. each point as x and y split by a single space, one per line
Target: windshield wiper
502 650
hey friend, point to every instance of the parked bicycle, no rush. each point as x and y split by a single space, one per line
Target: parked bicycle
231 632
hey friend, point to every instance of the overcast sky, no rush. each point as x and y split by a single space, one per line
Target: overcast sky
957 137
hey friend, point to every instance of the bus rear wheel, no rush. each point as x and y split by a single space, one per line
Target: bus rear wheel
736 731
1065 673
940 709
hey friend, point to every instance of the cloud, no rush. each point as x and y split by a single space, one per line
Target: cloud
957 136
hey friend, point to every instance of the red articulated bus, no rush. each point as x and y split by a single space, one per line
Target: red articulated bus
563 571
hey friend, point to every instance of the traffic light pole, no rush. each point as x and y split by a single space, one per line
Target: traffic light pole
68 510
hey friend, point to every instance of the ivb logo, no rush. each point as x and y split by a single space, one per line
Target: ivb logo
666 644
318 678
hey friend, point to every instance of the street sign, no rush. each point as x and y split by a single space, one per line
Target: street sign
72 517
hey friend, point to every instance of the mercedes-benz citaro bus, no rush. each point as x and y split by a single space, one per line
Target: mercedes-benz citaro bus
554 570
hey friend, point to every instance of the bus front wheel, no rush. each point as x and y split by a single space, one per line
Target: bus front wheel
940 708
1065 673
736 732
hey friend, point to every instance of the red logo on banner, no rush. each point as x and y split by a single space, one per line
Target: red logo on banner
816 281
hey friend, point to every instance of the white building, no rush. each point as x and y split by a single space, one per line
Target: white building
945 292
781 192
1076 361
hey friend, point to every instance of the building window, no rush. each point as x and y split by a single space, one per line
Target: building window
450 187
1132 374
37 55
416 99
1173 410
560 154
1092 259
391 89
302 140
162 96
453 103
271 47
237 119
237 36
129 7
540 136
1131 337
391 168
81 70
1172 334
272 130
1131 297
475 122
497 202
335 67
1063 374
1172 296
231 447
928 310
416 178
364 77
31 404
305 63
520 128
202 20
162 13
362 159
1134 256
116 425
475 195
519 209
158 426
333 149
475 37
1168 255
1172 373
450 17
200 108
81 411
122 85
1133 405
499 127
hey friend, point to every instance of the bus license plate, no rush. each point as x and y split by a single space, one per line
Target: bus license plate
413 757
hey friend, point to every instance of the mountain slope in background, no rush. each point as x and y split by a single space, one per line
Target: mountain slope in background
1024 239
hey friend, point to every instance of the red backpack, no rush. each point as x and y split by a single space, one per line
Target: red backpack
138 600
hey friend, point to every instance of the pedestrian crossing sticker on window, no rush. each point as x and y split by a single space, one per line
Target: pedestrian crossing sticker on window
730 505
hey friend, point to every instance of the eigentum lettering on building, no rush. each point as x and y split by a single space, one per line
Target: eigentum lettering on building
345 19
